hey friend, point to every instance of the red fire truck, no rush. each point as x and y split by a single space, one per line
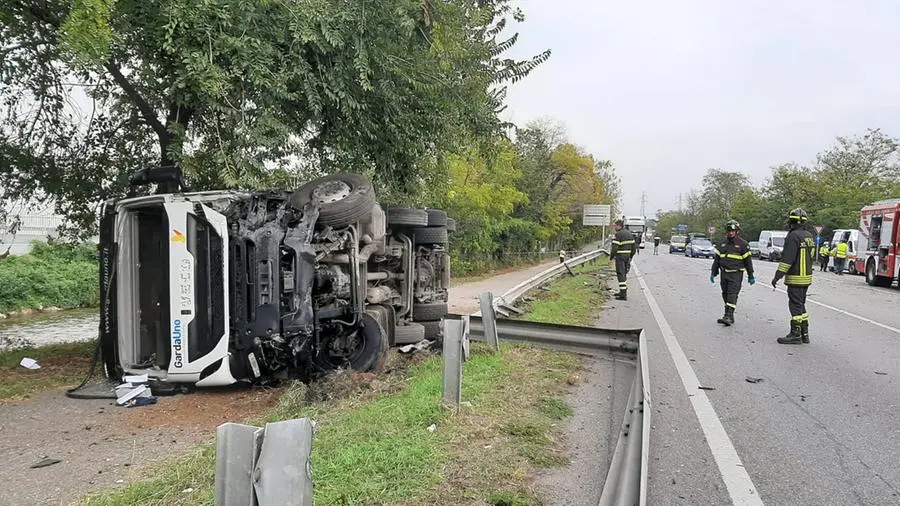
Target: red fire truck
879 242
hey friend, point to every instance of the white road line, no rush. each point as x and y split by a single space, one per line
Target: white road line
848 313
737 481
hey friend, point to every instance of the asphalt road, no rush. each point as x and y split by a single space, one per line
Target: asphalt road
823 425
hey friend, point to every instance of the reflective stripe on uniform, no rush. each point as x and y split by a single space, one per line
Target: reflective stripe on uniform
732 306
623 243
734 256
733 270
783 267
801 317
792 279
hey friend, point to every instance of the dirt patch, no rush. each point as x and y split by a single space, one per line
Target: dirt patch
204 409
67 367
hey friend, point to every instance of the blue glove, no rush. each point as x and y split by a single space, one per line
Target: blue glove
751 280
712 279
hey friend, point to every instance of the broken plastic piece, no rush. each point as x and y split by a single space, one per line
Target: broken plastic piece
45 463
143 378
701 387
29 363
140 401
753 380
881 373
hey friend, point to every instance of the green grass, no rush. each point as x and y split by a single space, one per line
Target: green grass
61 364
376 449
56 275
570 300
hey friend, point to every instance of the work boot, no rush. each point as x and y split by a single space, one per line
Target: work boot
729 316
622 295
793 337
804 332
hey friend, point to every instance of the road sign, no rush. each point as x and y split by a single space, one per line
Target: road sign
682 228
596 215
711 230
818 229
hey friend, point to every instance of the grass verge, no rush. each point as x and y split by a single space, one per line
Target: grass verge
570 300
61 364
52 275
373 444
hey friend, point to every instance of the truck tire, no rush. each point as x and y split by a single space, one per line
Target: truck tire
433 331
437 218
451 225
407 217
426 312
430 235
343 198
375 347
410 333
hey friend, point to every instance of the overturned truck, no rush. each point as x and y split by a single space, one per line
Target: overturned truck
215 288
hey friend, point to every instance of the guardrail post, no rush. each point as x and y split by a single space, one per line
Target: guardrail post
452 358
264 467
489 320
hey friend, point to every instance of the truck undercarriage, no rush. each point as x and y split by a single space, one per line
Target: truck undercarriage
215 288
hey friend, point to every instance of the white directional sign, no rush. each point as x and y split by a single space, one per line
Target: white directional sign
596 215
819 229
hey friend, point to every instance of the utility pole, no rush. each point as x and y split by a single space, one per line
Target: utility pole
679 202
644 204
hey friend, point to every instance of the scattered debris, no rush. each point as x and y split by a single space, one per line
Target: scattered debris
881 373
187 491
127 392
120 481
411 348
803 397
701 387
466 404
143 378
29 363
140 401
751 379
432 428
45 463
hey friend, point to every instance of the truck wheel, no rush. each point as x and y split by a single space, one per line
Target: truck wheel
410 333
870 273
343 198
407 217
426 312
372 353
451 225
437 218
430 235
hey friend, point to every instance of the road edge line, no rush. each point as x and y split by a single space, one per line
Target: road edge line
740 487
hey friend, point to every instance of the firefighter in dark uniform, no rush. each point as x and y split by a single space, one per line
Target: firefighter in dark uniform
621 253
796 267
732 260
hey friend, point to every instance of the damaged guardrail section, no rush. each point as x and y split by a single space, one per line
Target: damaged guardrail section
626 481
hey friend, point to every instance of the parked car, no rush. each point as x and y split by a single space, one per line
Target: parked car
220 287
677 243
700 248
754 248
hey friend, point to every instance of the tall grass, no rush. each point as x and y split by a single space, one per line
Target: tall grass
57 275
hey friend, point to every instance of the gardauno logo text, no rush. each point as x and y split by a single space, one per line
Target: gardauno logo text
176 344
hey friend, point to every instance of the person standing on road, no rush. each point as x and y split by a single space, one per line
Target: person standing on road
637 244
732 259
796 268
622 251
840 257
562 256
656 245
823 257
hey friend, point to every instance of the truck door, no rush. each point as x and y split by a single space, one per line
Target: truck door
876 223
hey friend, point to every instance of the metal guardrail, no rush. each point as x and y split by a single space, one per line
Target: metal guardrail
626 481
513 294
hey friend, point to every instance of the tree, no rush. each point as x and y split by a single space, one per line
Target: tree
720 187
236 92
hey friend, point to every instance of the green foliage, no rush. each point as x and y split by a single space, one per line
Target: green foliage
853 173
242 94
59 275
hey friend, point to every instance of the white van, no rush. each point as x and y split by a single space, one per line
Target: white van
771 242
852 238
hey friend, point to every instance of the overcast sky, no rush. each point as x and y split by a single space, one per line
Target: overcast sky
668 89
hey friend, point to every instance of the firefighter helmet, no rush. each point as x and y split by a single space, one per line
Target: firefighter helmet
732 225
797 216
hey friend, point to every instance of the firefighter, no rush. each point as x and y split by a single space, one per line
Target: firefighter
622 251
840 257
823 257
796 268
656 245
732 260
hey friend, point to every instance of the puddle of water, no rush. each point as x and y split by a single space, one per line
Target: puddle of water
51 328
